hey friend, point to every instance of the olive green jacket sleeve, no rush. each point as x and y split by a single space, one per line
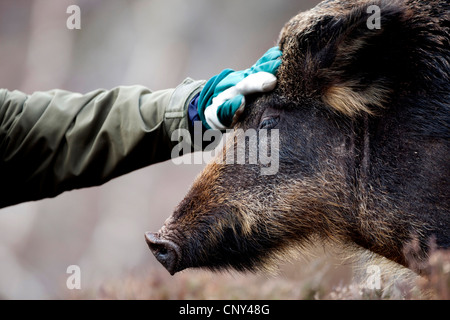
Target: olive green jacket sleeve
55 141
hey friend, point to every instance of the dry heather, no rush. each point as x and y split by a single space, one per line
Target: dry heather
320 279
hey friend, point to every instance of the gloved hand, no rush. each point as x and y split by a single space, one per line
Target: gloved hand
223 95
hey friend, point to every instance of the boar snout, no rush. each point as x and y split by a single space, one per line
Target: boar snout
165 251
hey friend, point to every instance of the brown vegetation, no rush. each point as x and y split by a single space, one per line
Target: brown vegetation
319 279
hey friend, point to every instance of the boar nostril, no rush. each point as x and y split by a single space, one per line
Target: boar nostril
165 251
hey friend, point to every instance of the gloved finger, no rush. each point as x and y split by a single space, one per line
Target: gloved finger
209 90
230 81
227 110
256 83
271 54
269 62
228 94
269 66
220 116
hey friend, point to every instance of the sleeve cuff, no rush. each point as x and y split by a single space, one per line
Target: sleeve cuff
176 115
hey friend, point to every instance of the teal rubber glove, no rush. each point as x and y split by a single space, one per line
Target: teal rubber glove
224 94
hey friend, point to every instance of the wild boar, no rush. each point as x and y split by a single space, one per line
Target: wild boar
363 117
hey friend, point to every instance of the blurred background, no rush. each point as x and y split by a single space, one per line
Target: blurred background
155 43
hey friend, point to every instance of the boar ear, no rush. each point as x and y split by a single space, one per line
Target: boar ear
366 57
369 49
339 52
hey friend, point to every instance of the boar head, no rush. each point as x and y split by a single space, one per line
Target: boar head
341 110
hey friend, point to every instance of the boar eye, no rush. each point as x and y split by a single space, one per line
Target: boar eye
269 122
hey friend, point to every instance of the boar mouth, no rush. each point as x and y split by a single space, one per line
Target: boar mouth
165 251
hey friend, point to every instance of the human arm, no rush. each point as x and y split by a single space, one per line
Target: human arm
55 141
